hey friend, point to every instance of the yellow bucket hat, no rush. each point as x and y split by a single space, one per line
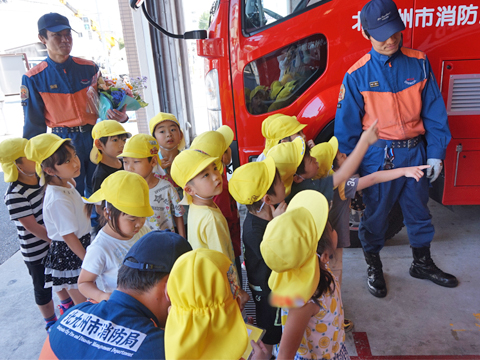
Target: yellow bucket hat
40 148
279 126
288 156
289 248
186 166
250 182
103 129
11 150
125 190
161 117
325 154
204 321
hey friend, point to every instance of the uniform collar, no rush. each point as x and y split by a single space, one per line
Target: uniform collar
61 65
384 59
129 302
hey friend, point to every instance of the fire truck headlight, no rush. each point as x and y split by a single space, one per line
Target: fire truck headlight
213 100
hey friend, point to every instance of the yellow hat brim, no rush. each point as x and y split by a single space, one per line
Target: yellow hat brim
293 288
227 133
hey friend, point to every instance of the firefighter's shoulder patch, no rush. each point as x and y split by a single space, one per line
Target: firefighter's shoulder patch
341 95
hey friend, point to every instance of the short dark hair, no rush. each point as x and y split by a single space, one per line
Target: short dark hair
59 157
335 163
271 191
104 139
137 280
366 33
301 167
43 33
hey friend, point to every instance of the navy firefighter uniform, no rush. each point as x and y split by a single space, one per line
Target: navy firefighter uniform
55 95
120 328
401 92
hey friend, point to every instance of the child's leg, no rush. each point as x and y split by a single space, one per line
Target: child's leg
76 296
336 264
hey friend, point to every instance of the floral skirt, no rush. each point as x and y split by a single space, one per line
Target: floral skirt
342 354
62 266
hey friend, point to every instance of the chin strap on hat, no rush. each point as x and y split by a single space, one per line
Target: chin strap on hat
210 198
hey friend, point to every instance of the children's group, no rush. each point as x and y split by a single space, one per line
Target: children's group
297 196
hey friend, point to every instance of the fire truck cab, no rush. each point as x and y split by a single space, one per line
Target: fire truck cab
289 56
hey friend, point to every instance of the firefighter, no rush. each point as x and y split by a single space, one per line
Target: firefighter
54 94
396 86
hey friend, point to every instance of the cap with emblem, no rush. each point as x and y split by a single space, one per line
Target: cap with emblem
53 22
156 251
381 19
250 182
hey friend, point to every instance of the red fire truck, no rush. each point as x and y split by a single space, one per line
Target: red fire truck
289 56
250 43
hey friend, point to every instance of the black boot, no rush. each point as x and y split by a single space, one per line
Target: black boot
423 267
375 282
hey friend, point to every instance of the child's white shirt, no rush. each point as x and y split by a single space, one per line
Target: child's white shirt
105 256
63 212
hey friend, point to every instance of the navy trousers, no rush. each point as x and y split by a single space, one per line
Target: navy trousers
380 198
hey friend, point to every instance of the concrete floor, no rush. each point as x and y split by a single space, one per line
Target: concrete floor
418 317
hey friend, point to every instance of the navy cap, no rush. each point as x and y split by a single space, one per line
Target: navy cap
381 19
53 22
157 251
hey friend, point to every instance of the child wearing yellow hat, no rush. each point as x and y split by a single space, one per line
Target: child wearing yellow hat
127 205
24 199
301 282
197 173
217 144
109 138
66 221
140 155
258 185
205 321
281 128
166 129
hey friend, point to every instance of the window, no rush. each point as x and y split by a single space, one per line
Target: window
276 80
261 13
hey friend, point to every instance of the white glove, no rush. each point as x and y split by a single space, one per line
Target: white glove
434 170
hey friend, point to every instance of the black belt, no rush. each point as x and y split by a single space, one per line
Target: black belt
396 144
73 129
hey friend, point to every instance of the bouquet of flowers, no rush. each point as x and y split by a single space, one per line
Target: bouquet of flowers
115 93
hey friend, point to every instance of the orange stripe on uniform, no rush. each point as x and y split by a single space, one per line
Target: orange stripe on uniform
398 114
413 53
366 58
47 352
37 69
82 61
67 109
